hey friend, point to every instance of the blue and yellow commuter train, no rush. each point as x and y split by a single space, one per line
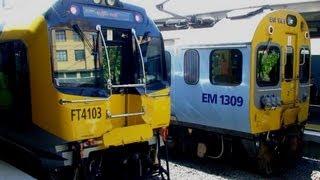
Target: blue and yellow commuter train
245 80
84 89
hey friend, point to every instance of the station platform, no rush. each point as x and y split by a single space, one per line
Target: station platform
8 172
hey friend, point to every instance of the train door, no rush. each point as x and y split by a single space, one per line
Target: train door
123 71
15 82
289 77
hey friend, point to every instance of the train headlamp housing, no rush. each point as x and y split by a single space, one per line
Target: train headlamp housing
112 2
97 1
138 18
291 20
74 10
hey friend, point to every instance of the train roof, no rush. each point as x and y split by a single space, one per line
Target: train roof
238 28
23 13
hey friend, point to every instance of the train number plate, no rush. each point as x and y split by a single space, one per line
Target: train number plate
225 100
86 114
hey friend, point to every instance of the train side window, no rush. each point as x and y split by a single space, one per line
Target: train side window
191 66
304 65
168 63
268 66
14 74
288 70
226 67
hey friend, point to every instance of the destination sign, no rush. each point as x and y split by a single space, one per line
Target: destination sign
107 13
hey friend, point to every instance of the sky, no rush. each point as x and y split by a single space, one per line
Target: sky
187 7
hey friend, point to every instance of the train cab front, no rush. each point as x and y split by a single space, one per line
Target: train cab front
281 86
109 97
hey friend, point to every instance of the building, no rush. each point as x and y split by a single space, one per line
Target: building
72 57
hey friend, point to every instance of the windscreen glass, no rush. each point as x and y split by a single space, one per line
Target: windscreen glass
268 66
304 65
83 66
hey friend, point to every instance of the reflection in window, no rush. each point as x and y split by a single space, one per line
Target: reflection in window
226 67
79 55
85 74
73 71
268 65
61 55
61 35
71 75
288 73
304 65
191 66
76 36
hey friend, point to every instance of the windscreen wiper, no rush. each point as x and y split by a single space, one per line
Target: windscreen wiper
83 37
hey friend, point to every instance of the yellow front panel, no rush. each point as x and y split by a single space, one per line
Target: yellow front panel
75 121
268 120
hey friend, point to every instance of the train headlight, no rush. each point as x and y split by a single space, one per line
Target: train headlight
111 2
74 10
291 20
138 18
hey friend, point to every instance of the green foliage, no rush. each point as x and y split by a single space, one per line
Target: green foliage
267 62
115 64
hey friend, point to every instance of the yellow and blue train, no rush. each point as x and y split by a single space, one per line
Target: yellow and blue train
83 87
244 81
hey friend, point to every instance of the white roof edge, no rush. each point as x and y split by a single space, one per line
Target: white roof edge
221 33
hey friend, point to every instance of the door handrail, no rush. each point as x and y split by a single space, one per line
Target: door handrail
125 114
64 101
128 85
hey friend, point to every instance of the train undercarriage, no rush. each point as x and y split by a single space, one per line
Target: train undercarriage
268 153
132 161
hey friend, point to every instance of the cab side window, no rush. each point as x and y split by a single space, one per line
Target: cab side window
5 94
226 67
14 76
